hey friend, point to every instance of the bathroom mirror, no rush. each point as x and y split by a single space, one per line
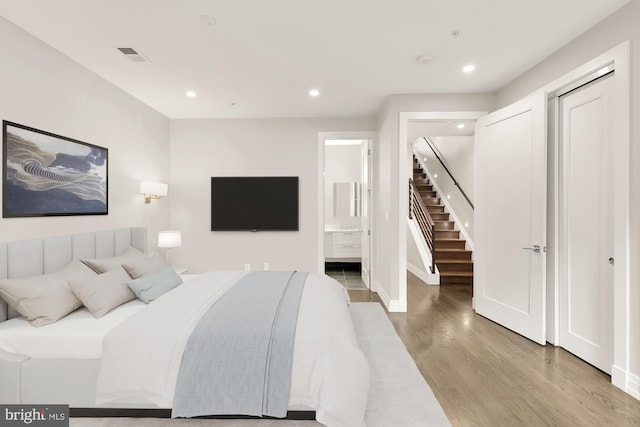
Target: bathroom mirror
346 199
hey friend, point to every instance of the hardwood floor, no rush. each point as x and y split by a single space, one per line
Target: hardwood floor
485 375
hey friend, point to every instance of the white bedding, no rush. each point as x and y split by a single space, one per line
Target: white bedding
141 357
76 336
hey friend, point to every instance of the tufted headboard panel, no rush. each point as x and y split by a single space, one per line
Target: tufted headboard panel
41 256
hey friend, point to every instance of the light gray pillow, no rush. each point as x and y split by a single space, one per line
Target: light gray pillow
103 292
46 298
101 265
154 285
145 266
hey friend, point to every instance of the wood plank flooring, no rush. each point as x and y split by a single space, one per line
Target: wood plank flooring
485 375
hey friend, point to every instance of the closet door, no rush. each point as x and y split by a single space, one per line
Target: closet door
586 223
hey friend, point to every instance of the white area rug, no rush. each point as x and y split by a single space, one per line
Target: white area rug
399 396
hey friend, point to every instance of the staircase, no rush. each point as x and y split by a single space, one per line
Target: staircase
453 259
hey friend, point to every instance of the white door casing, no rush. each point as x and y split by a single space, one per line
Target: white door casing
365 194
586 226
510 216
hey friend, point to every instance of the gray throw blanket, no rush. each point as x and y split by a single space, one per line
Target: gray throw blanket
238 358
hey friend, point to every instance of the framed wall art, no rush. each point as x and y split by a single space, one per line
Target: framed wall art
51 175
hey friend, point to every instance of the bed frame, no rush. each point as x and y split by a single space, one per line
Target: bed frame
26 380
69 381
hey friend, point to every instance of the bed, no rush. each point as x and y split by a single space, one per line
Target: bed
102 364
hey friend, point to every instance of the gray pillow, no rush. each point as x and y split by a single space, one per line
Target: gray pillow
101 265
144 266
46 298
152 286
103 292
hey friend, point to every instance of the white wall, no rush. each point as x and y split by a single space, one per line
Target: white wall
44 89
342 163
620 26
218 147
457 152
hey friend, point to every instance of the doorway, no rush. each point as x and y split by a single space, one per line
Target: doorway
344 208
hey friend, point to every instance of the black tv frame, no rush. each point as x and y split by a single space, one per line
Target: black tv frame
246 197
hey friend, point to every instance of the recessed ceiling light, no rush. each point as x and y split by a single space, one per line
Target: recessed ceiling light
460 126
314 93
191 94
469 68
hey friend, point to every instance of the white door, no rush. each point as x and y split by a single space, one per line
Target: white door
586 226
510 217
366 217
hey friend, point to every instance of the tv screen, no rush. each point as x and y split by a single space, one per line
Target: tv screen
254 203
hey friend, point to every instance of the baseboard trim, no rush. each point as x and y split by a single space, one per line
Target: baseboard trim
392 306
375 286
633 386
618 377
625 381
426 277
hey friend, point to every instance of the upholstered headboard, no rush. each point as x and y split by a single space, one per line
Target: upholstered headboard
41 256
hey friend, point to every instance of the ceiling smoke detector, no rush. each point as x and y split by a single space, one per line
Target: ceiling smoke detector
208 19
424 59
133 54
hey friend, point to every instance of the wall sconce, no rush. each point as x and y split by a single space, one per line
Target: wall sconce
169 239
153 190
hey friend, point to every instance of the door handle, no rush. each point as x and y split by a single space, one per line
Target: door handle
535 248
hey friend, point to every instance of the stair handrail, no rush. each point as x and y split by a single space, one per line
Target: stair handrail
427 226
455 182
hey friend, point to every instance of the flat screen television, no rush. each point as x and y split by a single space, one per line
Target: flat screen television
254 203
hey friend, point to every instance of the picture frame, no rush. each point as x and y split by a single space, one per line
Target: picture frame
45 174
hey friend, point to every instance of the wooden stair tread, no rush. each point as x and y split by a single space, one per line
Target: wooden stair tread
457 273
449 256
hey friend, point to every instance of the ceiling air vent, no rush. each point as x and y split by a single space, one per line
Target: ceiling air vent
133 54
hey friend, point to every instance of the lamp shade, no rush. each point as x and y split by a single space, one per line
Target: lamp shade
153 188
169 239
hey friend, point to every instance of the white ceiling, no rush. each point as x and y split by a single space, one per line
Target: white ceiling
264 56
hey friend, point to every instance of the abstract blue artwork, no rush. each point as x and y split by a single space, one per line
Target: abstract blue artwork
52 175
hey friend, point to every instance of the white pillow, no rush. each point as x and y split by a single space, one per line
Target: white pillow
101 265
103 292
46 298
144 266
